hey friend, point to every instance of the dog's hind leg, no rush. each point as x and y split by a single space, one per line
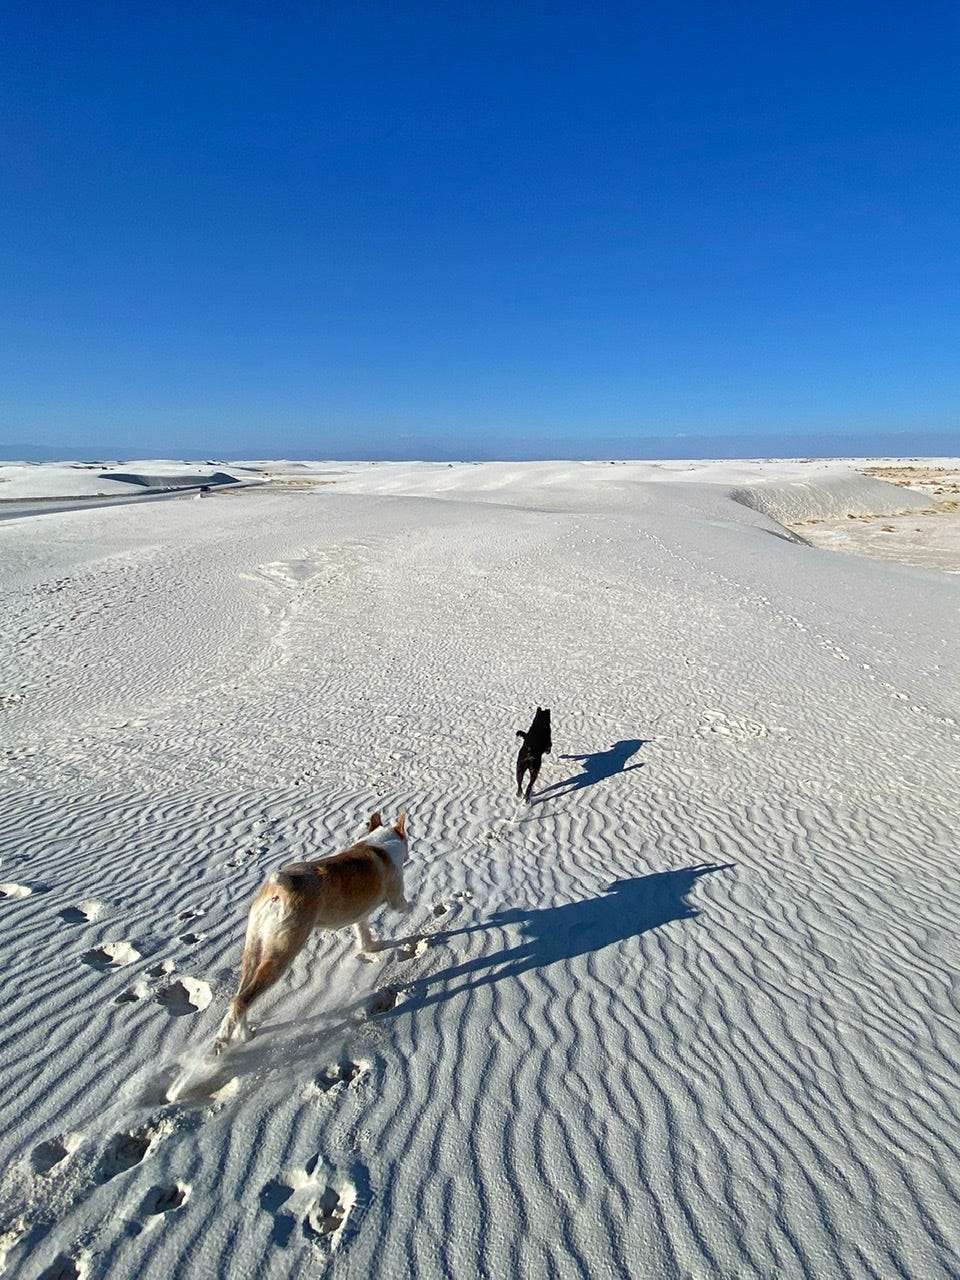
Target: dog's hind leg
273 940
521 770
521 761
249 961
272 966
534 774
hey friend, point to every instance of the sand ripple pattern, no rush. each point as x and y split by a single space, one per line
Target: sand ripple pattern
691 1013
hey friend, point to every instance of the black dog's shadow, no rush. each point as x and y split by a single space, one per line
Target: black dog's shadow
628 909
595 766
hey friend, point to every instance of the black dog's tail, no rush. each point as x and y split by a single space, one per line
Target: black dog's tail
522 733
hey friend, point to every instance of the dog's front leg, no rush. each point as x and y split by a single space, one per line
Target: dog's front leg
365 940
396 899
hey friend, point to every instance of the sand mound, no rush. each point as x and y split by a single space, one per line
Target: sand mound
828 497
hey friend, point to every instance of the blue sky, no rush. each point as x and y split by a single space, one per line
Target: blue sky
326 229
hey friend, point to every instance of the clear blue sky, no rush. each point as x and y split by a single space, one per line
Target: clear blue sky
352 229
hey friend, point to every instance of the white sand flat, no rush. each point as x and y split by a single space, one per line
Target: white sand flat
691 1013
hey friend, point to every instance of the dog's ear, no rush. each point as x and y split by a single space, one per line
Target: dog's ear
400 826
376 820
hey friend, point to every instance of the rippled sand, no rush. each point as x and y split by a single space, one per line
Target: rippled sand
690 1013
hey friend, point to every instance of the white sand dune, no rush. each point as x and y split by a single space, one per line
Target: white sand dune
692 1012
828 497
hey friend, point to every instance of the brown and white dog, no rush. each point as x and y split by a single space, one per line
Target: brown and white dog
325 893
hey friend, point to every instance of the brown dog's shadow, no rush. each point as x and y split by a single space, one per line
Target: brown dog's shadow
595 766
628 909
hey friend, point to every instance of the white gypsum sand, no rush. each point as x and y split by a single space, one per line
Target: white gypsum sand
926 532
692 1012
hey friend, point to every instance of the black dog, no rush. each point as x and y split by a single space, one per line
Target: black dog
536 741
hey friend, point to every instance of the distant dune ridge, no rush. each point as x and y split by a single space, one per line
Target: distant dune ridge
23 481
690 1012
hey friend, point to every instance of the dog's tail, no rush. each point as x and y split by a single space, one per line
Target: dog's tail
522 733
296 876
271 914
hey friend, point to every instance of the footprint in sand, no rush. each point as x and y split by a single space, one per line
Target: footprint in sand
734 727
274 1195
410 950
49 1154
340 1073
186 995
326 1215
126 1150
191 913
321 1207
132 994
440 908
82 913
15 891
64 1267
382 1001
242 856
190 939
112 955
327 1204
162 969
160 1200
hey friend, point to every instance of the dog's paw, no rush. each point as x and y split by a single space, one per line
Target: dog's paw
410 950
